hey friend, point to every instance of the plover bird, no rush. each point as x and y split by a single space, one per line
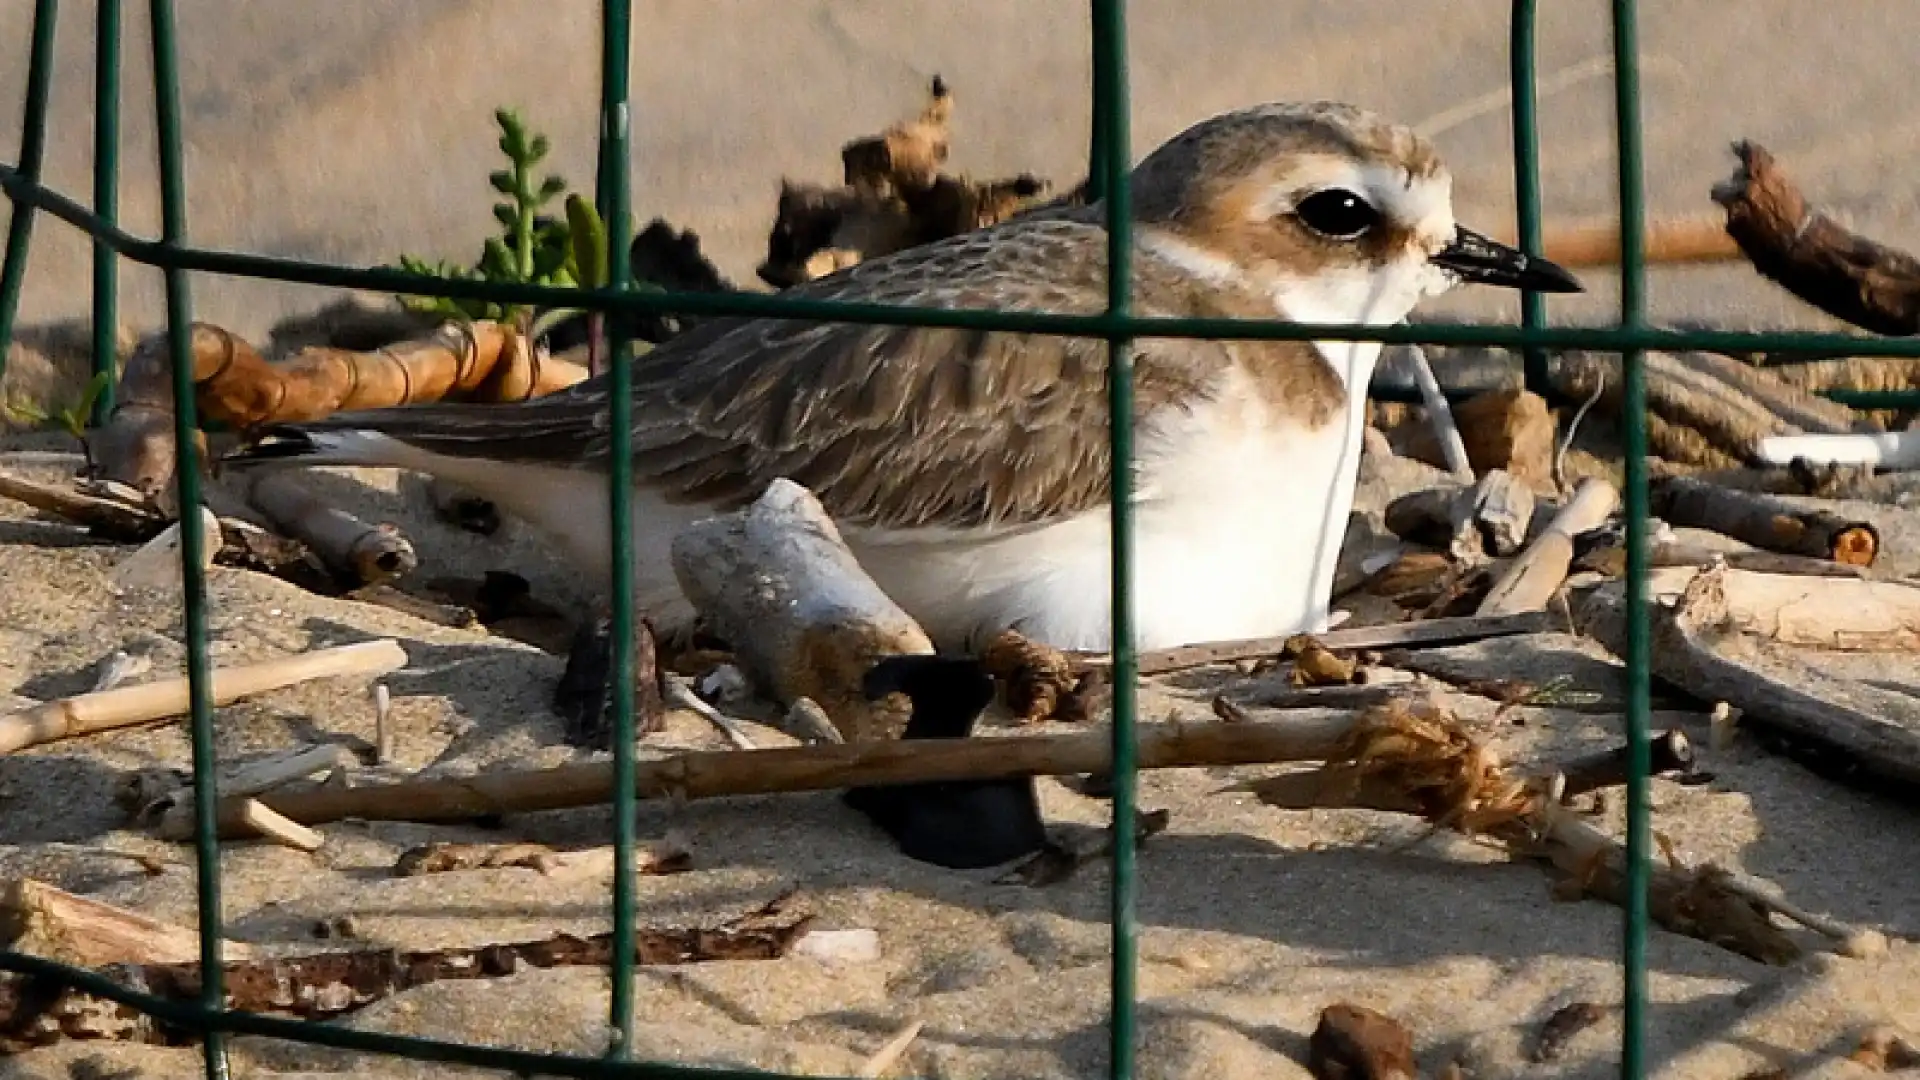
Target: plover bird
969 470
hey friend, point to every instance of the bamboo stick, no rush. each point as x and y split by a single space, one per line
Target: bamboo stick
88 714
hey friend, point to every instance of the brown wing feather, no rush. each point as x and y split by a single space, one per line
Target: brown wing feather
888 426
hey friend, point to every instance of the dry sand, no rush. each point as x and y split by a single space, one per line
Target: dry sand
355 130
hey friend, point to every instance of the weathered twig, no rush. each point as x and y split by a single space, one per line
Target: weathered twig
710 774
1440 416
1531 580
262 820
1763 521
323 985
88 714
889 1054
1812 256
1456 631
777 583
680 695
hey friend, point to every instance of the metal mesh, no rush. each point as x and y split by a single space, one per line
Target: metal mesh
1110 156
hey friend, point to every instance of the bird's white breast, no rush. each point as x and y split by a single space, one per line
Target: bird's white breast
1230 542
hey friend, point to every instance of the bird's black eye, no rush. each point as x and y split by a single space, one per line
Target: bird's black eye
1337 213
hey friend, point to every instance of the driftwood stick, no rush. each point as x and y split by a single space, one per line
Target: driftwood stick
1826 613
358 553
1858 733
711 774
1670 751
777 583
323 985
1531 580
1763 521
263 821
1846 275
88 714
1766 562
38 918
1440 416
1429 632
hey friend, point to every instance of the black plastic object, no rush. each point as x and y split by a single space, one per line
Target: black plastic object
956 824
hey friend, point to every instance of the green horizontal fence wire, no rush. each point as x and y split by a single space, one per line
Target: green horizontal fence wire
1108 167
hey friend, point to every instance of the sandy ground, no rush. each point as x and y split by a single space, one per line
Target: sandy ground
363 131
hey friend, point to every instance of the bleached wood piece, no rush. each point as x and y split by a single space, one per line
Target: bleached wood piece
777 583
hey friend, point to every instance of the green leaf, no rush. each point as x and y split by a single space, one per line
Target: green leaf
551 186
588 236
503 181
506 214
537 149
497 262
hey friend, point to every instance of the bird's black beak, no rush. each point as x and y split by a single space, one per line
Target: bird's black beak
1476 259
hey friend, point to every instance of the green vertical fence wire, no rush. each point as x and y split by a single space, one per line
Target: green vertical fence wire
1633 313
1111 103
106 200
33 145
1522 48
1108 169
173 234
615 26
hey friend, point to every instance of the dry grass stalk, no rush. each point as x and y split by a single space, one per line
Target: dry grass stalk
1412 756
127 706
1449 631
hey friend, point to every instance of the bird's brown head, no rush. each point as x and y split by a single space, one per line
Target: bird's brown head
1336 213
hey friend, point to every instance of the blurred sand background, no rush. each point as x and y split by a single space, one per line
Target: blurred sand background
354 130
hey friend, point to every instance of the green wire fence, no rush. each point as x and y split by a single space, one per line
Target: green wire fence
1111 154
